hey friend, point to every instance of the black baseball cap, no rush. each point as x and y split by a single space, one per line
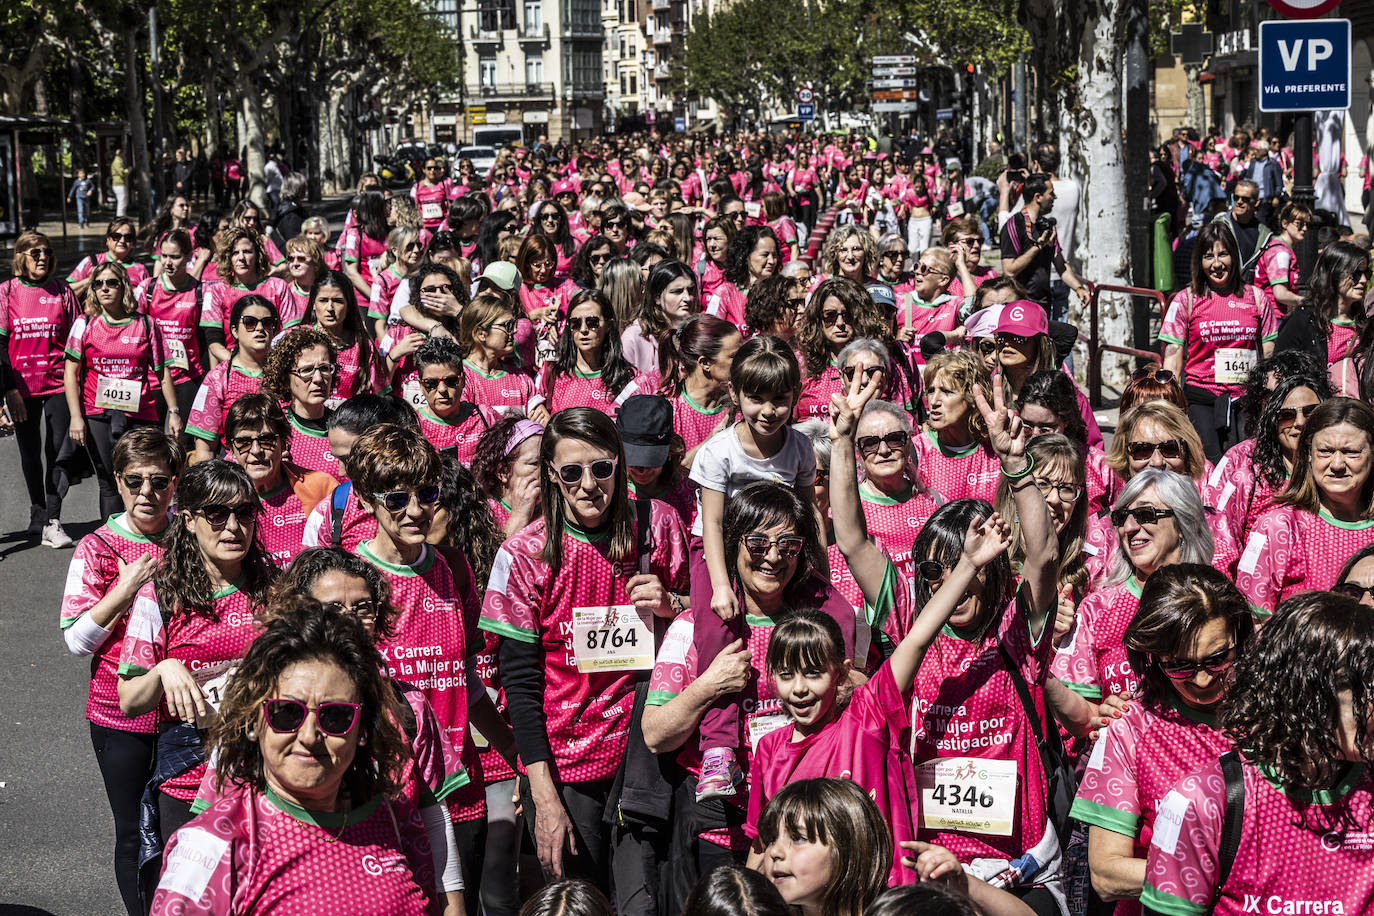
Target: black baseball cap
646 427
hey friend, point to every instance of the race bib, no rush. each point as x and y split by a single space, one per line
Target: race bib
617 638
117 393
212 682
762 725
176 354
431 211
1230 365
955 209
752 209
968 794
413 393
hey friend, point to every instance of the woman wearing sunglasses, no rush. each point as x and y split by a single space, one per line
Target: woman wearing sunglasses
1305 794
114 358
893 255
1158 520
567 660
492 379
1215 331
1021 333
120 238
1156 434
964 239
44 306
617 226
955 458
257 436
447 420
254 323
1276 269
1324 514
1192 626
549 219
837 316
396 474
240 264
300 374
108 568
590 370
1330 323
587 267
333 311
968 707
1356 579
190 626
1248 477
927 306
312 764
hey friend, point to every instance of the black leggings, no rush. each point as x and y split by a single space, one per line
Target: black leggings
585 803
471 840
126 762
102 432
44 458
186 396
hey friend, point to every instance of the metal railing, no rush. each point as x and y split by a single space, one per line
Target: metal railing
538 33
663 37
518 90
1095 345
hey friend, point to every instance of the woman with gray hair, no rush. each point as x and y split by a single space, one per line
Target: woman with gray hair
1159 521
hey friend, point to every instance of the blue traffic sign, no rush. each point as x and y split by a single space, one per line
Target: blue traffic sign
680 125
806 112
1304 65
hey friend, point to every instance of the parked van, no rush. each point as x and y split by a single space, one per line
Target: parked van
497 135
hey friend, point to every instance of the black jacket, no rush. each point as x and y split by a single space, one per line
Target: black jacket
1302 331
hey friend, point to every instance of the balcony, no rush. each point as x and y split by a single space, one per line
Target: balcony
515 91
536 35
663 37
485 36
583 30
662 5
663 72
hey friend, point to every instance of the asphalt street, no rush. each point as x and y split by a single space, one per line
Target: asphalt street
57 835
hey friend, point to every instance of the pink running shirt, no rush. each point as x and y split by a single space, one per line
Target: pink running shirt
35 321
1291 550
130 349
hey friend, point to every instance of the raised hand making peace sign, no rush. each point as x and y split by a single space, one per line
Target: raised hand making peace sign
1006 433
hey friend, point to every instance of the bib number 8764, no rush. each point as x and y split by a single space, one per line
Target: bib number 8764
955 794
614 637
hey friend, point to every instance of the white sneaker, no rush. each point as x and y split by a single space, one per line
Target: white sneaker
54 536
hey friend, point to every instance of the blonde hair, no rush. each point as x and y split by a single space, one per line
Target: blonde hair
1176 426
964 369
396 241
830 256
91 306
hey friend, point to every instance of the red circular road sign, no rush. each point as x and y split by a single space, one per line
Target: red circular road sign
805 95
1304 9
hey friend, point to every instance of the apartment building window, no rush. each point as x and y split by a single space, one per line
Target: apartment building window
534 69
585 14
494 15
534 15
623 85
446 14
487 70
586 66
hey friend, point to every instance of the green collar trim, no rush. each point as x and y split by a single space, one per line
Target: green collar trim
123 322
274 492
117 524
587 535
1353 774
1193 715
708 411
1133 586
419 569
499 373
950 451
578 373
324 818
298 425
227 590
870 496
1348 526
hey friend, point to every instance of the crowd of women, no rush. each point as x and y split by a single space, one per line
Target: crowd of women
580 537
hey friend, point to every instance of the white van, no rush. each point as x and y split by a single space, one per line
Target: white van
497 136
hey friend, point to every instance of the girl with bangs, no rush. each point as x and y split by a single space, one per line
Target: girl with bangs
1048 404
590 369
333 311
967 697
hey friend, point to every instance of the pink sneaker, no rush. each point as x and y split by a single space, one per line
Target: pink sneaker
719 774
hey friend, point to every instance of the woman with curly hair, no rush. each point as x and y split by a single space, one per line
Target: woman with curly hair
752 256
242 268
838 312
955 458
1247 478
773 306
590 370
506 467
1192 626
1322 516
300 373
191 625
313 759
849 252
1299 710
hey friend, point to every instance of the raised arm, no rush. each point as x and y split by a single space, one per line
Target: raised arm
866 561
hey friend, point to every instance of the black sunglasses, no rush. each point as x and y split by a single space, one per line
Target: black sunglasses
159 482
1169 448
218 515
931 570
251 322
590 322
453 382
397 500
1353 590
335 719
869 372
602 469
263 441
893 440
1216 663
758 545
1163 376
1145 515
830 319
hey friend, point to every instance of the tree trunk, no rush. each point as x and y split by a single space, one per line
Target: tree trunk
1091 137
133 110
214 123
254 140
76 76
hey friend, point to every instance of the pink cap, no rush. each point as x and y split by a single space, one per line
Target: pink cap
1023 318
562 187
